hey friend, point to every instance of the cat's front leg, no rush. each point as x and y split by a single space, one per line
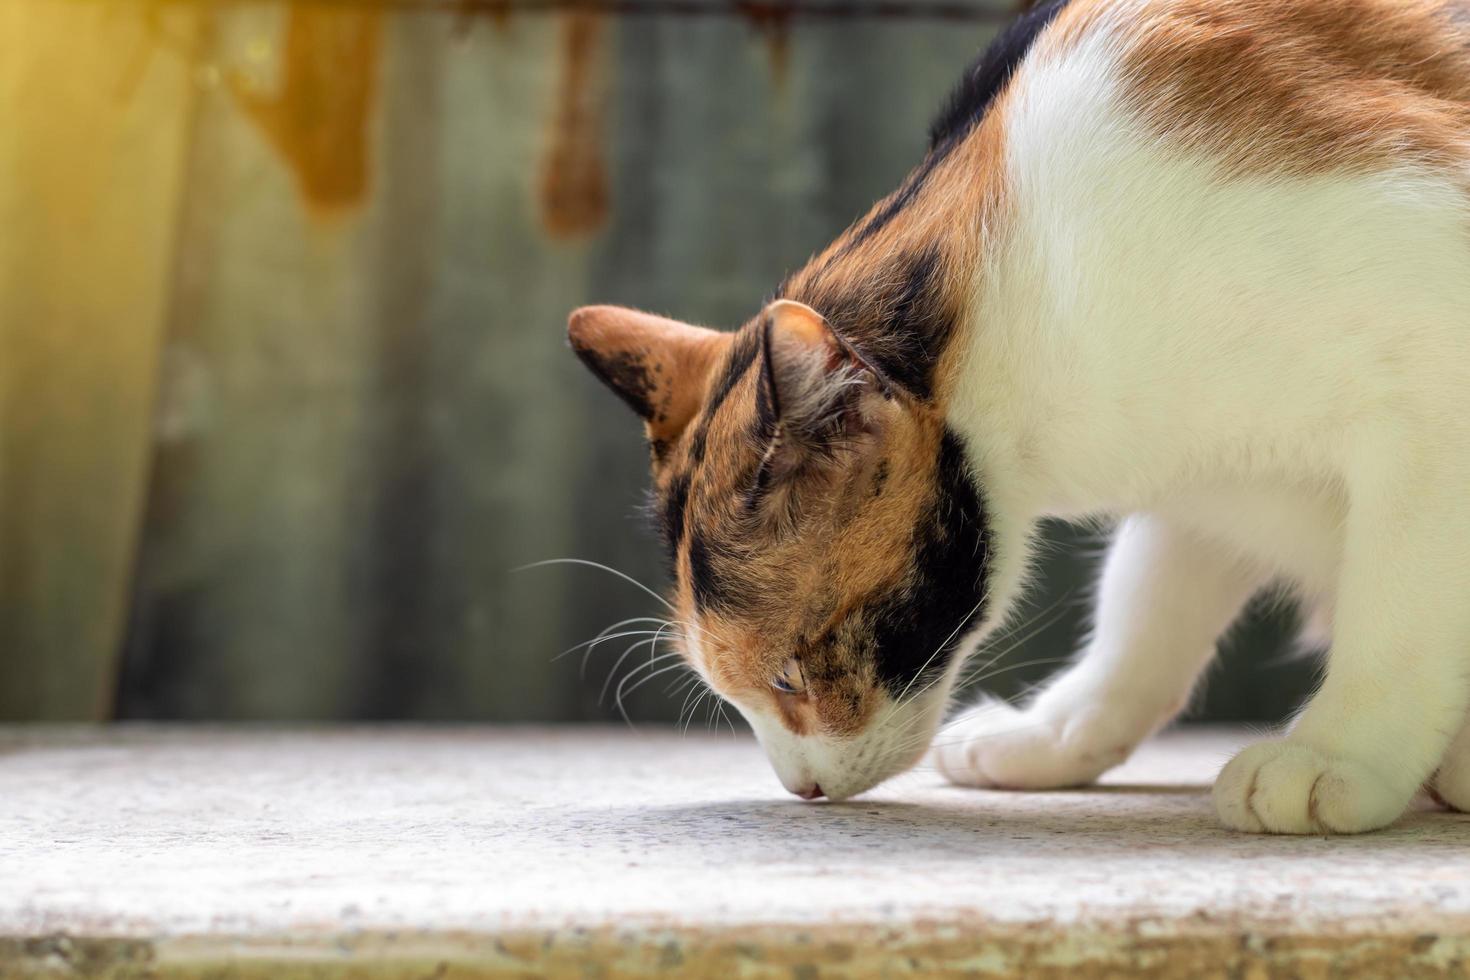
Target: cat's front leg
1450 783
1165 596
1398 677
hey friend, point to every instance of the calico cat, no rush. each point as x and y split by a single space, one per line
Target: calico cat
1201 266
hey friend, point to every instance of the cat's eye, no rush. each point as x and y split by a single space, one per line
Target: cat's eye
791 680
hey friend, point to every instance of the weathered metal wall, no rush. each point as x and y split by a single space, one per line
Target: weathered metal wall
328 249
92 143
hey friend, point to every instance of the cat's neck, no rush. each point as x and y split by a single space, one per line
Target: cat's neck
896 284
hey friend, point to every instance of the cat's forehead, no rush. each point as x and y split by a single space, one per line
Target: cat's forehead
856 539
731 397
715 426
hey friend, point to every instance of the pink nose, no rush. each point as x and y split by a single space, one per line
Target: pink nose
812 792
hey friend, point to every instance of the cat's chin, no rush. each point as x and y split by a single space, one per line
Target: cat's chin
837 769
899 765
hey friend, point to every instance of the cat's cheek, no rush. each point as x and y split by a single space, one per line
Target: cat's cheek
697 656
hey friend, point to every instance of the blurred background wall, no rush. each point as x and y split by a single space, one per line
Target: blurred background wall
284 395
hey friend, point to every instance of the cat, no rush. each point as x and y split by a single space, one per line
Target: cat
1198 267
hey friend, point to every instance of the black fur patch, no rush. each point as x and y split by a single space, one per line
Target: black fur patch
711 588
919 316
985 79
964 108
898 320
698 443
674 511
742 356
767 399
626 374
767 426
893 203
671 514
701 575
942 601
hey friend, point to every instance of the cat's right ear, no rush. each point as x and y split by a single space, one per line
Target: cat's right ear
659 367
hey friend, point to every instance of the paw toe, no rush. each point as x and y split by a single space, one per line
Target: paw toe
961 748
998 746
1288 788
1451 785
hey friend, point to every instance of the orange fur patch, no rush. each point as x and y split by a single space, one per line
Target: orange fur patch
1292 86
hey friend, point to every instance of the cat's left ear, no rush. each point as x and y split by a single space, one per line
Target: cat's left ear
817 384
659 367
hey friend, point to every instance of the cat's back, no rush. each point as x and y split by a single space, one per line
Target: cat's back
1300 86
1254 209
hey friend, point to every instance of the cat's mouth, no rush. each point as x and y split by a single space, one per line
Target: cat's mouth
823 767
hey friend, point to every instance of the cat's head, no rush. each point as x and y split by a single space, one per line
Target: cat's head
826 537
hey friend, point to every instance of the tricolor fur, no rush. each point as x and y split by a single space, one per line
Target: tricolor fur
1202 266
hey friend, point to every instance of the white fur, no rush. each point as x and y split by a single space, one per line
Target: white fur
892 741
843 767
1269 379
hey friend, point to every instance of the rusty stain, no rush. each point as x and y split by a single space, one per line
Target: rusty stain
466 11
574 191
823 10
319 118
773 21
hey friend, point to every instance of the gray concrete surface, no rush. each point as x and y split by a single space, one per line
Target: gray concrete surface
463 852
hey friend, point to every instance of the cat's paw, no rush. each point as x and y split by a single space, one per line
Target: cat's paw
997 746
1450 785
1285 787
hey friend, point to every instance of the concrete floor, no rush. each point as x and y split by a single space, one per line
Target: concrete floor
172 852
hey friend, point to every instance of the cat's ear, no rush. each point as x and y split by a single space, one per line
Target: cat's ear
814 381
659 367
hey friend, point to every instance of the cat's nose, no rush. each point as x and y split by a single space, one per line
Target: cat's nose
810 792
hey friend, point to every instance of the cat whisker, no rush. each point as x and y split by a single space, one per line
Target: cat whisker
694 689
714 714
588 653
617 664
607 630
657 673
653 645
1054 611
970 678
1042 661
1010 730
601 567
943 643
704 693
710 702
618 693
598 640
992 705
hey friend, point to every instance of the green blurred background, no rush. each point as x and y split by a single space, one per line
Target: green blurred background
284 395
